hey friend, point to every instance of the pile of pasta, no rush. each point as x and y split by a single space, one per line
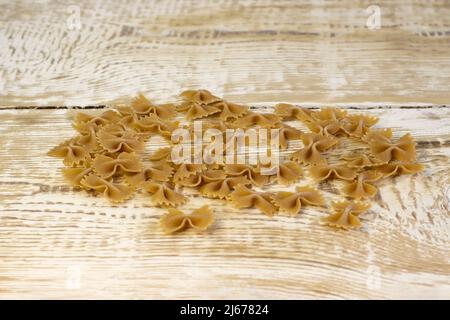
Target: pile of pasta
107 157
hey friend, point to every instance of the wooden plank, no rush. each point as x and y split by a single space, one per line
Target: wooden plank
252 51
56 242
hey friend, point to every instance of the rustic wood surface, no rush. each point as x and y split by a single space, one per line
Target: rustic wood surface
57 242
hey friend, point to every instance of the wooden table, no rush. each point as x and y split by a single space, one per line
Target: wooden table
56 242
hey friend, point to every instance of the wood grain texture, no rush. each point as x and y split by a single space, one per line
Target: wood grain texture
56 242
250 51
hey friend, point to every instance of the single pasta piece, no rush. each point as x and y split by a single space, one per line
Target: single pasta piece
327 128
385 150
88 139
329 113
160 154
264 120
153 125
115 138
162 194
313 144
185 170
398 168
323 172
72 153
289 111
346 214
83 120
252 173
362 187
361 161
200 178
159 171
129 117
106 166
221 189
287 172
201 96
292 202
229 110
377 134
198 104
357 125
243 197
76 174
114 192
286 133
142 106
175 220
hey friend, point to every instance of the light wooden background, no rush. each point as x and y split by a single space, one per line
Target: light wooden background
59 243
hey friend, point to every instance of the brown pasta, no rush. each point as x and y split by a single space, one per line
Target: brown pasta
201 178
229 110
286 133
313 144
264 120
324 172
361 161
159 171
175 220
76 174
199 96
253 174
114 192
115 138
152 125
327 127
288 172
106 166
362 187
104 157
160 154
398 168
385 150
288 111
142 106
185 170
162 194
71 152
83 121
359 124
346 214
243 197
329 113
221 189
292 202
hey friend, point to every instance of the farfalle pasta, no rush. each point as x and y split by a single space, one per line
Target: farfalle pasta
291 202
163 194
252 173
108 156
264 120
115 138
175 220
385 150
324 172
362 187
107 167
346 214
288 111
71 152
314 144
113 191
243 197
